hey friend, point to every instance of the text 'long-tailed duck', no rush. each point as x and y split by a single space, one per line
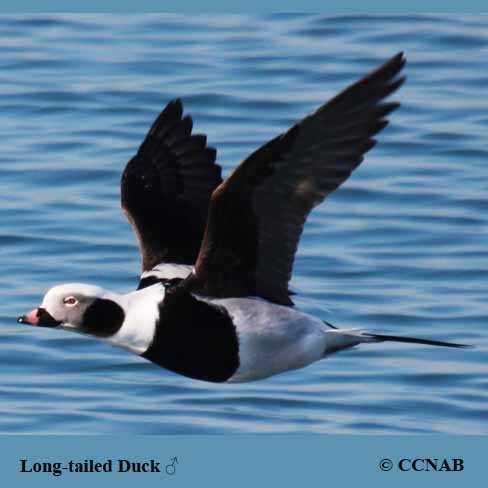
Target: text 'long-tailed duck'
213 301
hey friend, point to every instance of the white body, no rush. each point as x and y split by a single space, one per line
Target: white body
272 338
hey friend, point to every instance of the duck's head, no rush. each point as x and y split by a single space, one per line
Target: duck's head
83 308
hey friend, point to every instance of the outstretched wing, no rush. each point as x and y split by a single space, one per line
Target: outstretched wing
166 189
257 215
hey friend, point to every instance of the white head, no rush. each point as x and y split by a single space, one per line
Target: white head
84 308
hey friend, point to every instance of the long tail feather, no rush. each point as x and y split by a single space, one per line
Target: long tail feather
414 340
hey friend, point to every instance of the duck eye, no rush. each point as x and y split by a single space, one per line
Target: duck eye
70 301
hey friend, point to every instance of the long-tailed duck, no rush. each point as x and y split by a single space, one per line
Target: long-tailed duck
213 301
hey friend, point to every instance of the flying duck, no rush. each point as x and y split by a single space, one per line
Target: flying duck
213 301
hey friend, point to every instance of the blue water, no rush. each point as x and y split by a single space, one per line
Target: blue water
401 248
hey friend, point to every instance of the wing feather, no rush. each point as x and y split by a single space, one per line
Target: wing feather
166 188
256 216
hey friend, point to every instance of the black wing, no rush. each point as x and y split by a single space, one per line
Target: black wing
256 216
166 189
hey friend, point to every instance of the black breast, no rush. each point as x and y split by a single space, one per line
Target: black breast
194 338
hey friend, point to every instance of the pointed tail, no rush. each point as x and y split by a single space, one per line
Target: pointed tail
413 340
351 337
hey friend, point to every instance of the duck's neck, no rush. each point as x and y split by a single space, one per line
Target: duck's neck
141 317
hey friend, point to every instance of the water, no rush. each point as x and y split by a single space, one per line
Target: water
401 248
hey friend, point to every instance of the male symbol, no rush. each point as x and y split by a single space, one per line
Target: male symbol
171 468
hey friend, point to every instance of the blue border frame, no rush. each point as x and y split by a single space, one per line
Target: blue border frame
256 6
242 460
248 460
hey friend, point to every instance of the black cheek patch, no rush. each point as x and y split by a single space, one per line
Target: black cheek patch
103 318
